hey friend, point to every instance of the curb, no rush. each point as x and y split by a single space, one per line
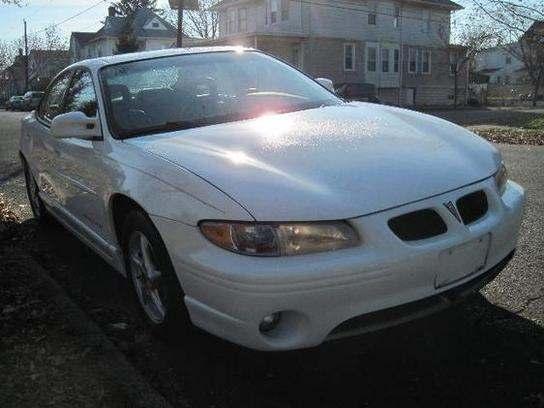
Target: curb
115 367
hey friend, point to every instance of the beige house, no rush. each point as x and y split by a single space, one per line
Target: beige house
402 47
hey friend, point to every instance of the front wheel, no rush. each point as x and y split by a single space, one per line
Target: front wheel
33 194
153 278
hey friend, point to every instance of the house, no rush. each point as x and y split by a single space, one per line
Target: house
402 47
43 65
498 65
13 77
152 32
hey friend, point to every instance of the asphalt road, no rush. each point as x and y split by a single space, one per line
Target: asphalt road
488 352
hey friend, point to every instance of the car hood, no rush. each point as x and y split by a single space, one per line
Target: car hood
335 162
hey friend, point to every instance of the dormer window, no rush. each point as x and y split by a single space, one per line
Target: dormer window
155 24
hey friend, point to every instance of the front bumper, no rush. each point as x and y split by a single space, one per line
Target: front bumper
322 295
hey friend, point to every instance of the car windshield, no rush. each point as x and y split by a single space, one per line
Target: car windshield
187 91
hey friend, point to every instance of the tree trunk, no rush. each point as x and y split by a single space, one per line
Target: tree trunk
536 89
455 80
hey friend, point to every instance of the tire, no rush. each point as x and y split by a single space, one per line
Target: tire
153 279
32 191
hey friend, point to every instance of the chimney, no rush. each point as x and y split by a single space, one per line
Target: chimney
111 11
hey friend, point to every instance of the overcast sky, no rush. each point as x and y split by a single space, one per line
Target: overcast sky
42 13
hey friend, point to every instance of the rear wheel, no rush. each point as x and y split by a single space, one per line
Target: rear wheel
153 278
33 194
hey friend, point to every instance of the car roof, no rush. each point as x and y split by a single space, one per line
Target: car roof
97 63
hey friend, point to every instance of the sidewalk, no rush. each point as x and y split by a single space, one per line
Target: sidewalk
51 354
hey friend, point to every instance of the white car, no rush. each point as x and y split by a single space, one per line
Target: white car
239 194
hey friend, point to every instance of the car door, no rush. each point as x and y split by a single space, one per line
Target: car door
81 161
44 150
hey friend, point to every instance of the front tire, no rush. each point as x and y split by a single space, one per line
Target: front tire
33 194
152 276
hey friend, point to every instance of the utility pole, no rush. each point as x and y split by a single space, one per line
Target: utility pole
25 57
179 42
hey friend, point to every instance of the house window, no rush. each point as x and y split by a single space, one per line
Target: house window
419 60
498 79
372 18
428 23
285 10
426 62
371 59
412 60
396 60
274 8
385 60
508 60
349 57
231 21
396 18
242 19
155 25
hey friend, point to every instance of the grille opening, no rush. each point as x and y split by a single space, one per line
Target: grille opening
418 225
473 207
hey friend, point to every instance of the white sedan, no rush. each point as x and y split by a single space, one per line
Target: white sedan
240 195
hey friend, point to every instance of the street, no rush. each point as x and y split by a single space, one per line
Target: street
488 352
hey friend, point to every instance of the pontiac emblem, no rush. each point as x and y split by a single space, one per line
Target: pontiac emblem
451 208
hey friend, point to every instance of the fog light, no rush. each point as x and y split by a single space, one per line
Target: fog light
270 322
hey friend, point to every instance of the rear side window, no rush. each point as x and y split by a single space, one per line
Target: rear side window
52 103
81 96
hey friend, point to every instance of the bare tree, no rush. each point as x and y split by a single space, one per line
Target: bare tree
520 28
470 40
202 23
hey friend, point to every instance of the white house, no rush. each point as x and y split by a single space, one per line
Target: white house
500 66
152 32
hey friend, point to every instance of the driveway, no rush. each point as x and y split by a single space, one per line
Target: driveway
488 352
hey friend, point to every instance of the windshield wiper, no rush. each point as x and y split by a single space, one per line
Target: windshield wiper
164 127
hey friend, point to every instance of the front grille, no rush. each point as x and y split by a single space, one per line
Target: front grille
418 225
473 206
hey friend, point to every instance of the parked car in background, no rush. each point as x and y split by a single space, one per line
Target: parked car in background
357 92
239 194
32 100
15 103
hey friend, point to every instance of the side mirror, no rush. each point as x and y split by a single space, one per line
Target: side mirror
76 125
327 83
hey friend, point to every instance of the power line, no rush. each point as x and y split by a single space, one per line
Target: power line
72 17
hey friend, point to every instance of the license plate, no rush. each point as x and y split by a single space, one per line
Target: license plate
462 261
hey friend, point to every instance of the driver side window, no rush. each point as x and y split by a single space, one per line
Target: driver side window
81 96
52 103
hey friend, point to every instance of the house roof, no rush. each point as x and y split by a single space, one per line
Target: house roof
49 54
82 37
114 26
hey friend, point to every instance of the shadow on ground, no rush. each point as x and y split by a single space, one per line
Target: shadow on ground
476 354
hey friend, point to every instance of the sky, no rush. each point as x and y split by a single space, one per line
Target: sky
42 13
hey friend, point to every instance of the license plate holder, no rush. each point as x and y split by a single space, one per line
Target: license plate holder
463 260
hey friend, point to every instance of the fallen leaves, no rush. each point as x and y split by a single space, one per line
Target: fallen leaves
511 135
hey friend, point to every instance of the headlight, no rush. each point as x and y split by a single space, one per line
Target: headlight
287 239
501 177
